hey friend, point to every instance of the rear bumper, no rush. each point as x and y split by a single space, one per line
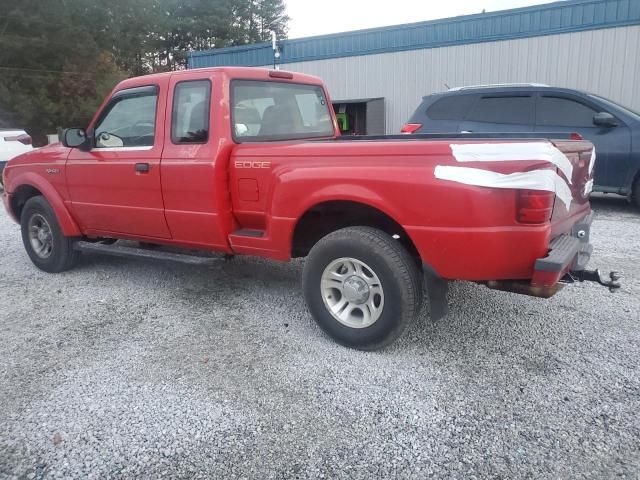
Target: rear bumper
569 252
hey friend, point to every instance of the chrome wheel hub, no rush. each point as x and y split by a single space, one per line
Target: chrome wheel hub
40 236
352 292
355 290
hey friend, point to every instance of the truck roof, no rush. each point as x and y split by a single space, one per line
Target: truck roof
248 73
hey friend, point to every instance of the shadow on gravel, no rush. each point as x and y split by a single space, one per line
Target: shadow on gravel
232 295
476 313
608 203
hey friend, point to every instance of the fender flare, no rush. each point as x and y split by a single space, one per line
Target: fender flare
67 223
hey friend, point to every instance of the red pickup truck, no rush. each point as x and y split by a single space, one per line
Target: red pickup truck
247 161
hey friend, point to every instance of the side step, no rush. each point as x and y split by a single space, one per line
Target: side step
248 232
145 253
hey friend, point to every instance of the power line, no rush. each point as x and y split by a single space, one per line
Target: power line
22 20
35 75
43 71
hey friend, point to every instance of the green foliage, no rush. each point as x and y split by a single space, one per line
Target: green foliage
59 59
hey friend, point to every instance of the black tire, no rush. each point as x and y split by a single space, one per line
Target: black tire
635 194
2 165
400 278
61 255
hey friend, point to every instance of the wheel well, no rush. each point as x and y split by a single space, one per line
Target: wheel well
328 217
20 197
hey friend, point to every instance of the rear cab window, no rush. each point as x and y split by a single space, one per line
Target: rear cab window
269 110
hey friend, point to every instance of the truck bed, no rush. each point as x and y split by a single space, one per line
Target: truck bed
455 136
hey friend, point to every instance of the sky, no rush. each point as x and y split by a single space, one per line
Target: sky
319 17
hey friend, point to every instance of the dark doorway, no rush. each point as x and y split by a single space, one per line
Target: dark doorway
360 117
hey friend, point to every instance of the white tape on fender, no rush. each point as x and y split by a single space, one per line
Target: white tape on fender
513 152
547 180
588 188
592 162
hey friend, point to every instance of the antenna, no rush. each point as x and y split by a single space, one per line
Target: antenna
276 50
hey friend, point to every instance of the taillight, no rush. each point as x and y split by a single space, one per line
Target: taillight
280 74
24 139
575 136
535 206
411 127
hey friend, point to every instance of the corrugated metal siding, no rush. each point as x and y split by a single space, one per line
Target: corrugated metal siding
539 20
605 62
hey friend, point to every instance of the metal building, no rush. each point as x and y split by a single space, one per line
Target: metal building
591 45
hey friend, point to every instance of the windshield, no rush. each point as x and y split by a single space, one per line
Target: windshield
264 111
609 103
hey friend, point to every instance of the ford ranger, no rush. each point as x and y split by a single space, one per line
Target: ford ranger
247 161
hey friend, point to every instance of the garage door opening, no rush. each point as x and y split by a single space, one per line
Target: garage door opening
360 117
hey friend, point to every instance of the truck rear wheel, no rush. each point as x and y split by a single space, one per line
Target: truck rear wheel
43 239
362 287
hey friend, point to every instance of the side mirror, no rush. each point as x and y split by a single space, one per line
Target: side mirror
604 119
75 138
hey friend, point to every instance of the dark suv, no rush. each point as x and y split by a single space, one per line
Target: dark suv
533 109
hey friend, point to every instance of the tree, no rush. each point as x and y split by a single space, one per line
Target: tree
59 59
258 18
43 50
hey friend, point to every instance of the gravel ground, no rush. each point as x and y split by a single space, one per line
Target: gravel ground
125 368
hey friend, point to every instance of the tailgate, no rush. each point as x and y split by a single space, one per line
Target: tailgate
581 155
569 249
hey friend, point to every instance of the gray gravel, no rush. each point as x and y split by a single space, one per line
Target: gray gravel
124 368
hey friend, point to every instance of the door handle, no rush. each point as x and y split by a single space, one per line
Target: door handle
142 167
466 131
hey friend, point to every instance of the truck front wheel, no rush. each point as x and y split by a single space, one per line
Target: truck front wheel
43 239
362 287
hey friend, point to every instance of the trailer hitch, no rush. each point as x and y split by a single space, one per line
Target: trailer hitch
593 276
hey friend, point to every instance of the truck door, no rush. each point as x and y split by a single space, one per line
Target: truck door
115 187
503 112
566 114
194 168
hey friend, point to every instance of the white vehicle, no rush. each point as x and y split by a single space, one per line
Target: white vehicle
13 142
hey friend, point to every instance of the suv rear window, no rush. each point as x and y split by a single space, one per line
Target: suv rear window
454 107
512 110
264 111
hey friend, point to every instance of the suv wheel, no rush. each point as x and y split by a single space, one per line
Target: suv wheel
43 239
362 287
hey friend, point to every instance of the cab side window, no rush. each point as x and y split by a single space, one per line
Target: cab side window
129 120
190 117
